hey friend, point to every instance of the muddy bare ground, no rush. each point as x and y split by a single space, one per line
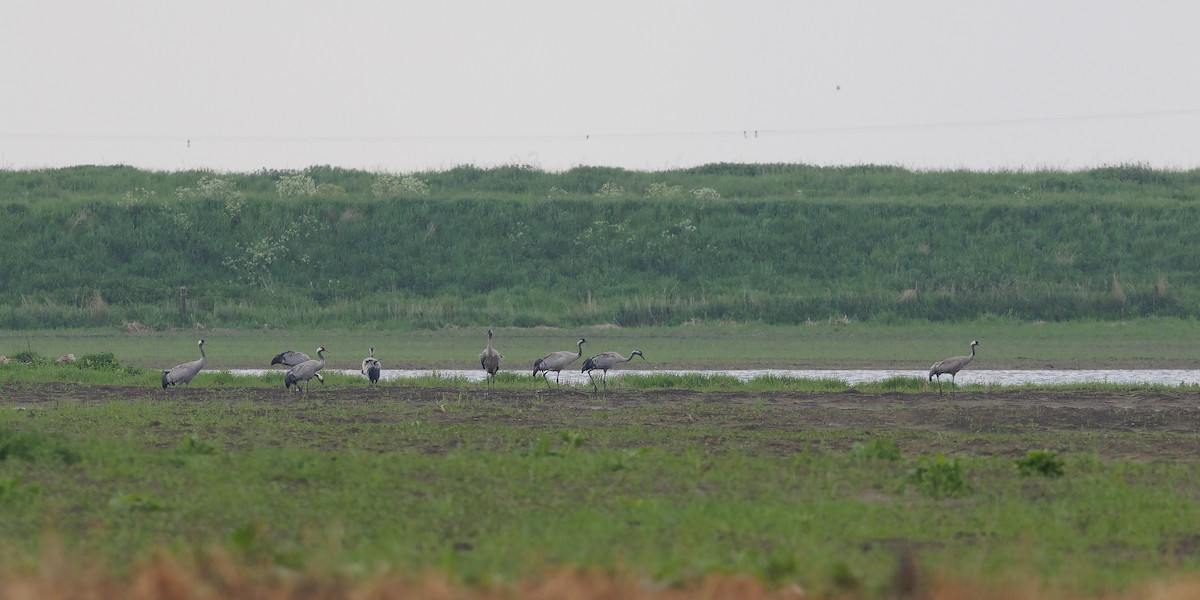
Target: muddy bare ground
1150 424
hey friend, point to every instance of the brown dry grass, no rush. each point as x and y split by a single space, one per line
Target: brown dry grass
217 576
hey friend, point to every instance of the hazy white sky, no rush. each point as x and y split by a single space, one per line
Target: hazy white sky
406 86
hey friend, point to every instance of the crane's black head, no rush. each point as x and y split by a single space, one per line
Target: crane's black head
200 343
974 343
639 353
320 349
489 333
582 341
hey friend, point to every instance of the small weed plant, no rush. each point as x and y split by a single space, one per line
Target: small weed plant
101 361
939 477
1044 463
876 449
30 357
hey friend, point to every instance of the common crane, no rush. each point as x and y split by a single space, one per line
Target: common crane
951 366
370 367
557 361
185 372
291 358
305 371
604 362
489 359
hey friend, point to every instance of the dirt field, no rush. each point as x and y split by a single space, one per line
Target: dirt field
1138 425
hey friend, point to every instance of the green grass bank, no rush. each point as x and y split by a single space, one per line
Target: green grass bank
515 246
1164 343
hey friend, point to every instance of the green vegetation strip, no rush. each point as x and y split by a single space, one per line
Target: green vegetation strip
518 247
1004 344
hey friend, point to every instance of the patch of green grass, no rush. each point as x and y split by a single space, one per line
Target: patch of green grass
1045 463
876 449
463 486
1005 343
940 477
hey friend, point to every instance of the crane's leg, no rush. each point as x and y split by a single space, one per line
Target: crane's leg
592 379
939 378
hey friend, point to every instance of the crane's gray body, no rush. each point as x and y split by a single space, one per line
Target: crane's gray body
289 358
305 372
370 367
489 359
185 372
951 366
557 361
604 362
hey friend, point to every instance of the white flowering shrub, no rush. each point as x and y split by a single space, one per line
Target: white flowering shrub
610 190
182 220
387 185
136 196
706 194
679 229
294 185
253 262
211 188
662 191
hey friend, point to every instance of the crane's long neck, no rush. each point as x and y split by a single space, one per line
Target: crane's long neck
321 356
580 349
201 353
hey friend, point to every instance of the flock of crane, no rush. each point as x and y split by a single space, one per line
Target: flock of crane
303 369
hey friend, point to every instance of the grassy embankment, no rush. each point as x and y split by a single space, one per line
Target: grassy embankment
511 246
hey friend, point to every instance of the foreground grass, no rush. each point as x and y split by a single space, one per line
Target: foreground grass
487 492
1005 343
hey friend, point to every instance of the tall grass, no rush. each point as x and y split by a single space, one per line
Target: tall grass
782 244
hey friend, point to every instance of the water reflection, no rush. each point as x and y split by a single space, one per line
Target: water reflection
850 376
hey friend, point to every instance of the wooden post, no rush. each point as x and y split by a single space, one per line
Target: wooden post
183 300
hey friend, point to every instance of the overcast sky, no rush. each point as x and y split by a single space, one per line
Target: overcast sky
405 86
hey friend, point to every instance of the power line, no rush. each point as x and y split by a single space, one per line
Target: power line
744 133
